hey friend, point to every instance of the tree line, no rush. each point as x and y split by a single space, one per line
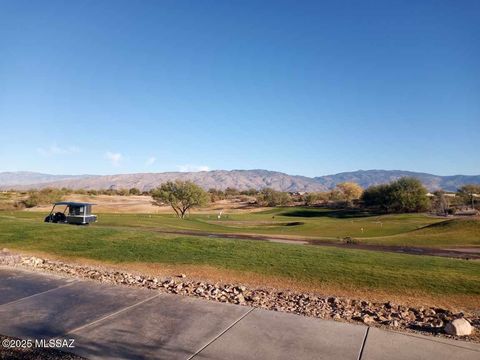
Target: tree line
399 196
404 195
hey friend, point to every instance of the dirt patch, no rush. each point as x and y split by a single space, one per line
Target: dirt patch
141 204
459 253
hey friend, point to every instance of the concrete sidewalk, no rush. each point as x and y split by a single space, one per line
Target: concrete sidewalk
114 322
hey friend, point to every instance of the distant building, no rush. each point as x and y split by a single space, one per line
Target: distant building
297 193
451 195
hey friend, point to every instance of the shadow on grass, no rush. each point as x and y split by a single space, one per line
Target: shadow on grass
339 214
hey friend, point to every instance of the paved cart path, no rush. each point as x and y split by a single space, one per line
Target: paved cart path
116 322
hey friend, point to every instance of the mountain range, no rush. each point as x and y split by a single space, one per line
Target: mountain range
221 179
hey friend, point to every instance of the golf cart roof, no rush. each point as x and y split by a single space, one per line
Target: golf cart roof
72 203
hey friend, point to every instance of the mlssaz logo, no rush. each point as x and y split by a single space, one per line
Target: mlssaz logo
55 343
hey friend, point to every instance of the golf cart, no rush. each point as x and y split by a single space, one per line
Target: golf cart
78 213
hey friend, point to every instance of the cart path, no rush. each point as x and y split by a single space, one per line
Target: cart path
119 322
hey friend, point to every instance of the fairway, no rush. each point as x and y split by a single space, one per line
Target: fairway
130 239
307 223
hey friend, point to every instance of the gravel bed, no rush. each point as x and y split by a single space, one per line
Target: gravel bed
425 320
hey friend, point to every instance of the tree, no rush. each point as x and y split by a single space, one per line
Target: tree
270 197
407 195
376 196
134 191
335 195
310 199
440 203
181 196
403 195
216 195
231 192
249 192
467 193
350 191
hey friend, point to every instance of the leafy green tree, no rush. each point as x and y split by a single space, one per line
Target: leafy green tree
403 195
376 196
181 196
407 195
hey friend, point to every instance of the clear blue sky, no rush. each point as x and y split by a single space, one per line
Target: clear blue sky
303 87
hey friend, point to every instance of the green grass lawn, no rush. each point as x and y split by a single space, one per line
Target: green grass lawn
330 225
450 233
366 270
287 221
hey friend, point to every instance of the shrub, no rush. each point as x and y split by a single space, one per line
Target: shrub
42 197
216 195
134 191
270 197
231 192
403 195
310 199
249 192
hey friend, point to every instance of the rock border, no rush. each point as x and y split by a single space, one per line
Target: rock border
424 320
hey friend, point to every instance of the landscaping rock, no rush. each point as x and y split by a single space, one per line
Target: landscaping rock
459 327
331 307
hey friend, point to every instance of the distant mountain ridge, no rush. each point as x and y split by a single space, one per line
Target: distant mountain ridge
221 179
366 178
27 178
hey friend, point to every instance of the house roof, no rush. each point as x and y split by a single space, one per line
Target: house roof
72 203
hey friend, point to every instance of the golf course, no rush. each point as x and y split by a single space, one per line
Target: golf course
165 244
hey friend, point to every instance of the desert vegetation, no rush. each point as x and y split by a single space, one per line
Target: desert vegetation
401 196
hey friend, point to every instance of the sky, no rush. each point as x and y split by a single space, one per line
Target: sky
302 87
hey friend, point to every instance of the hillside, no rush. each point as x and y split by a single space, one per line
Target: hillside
367 178
221 179
17 178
